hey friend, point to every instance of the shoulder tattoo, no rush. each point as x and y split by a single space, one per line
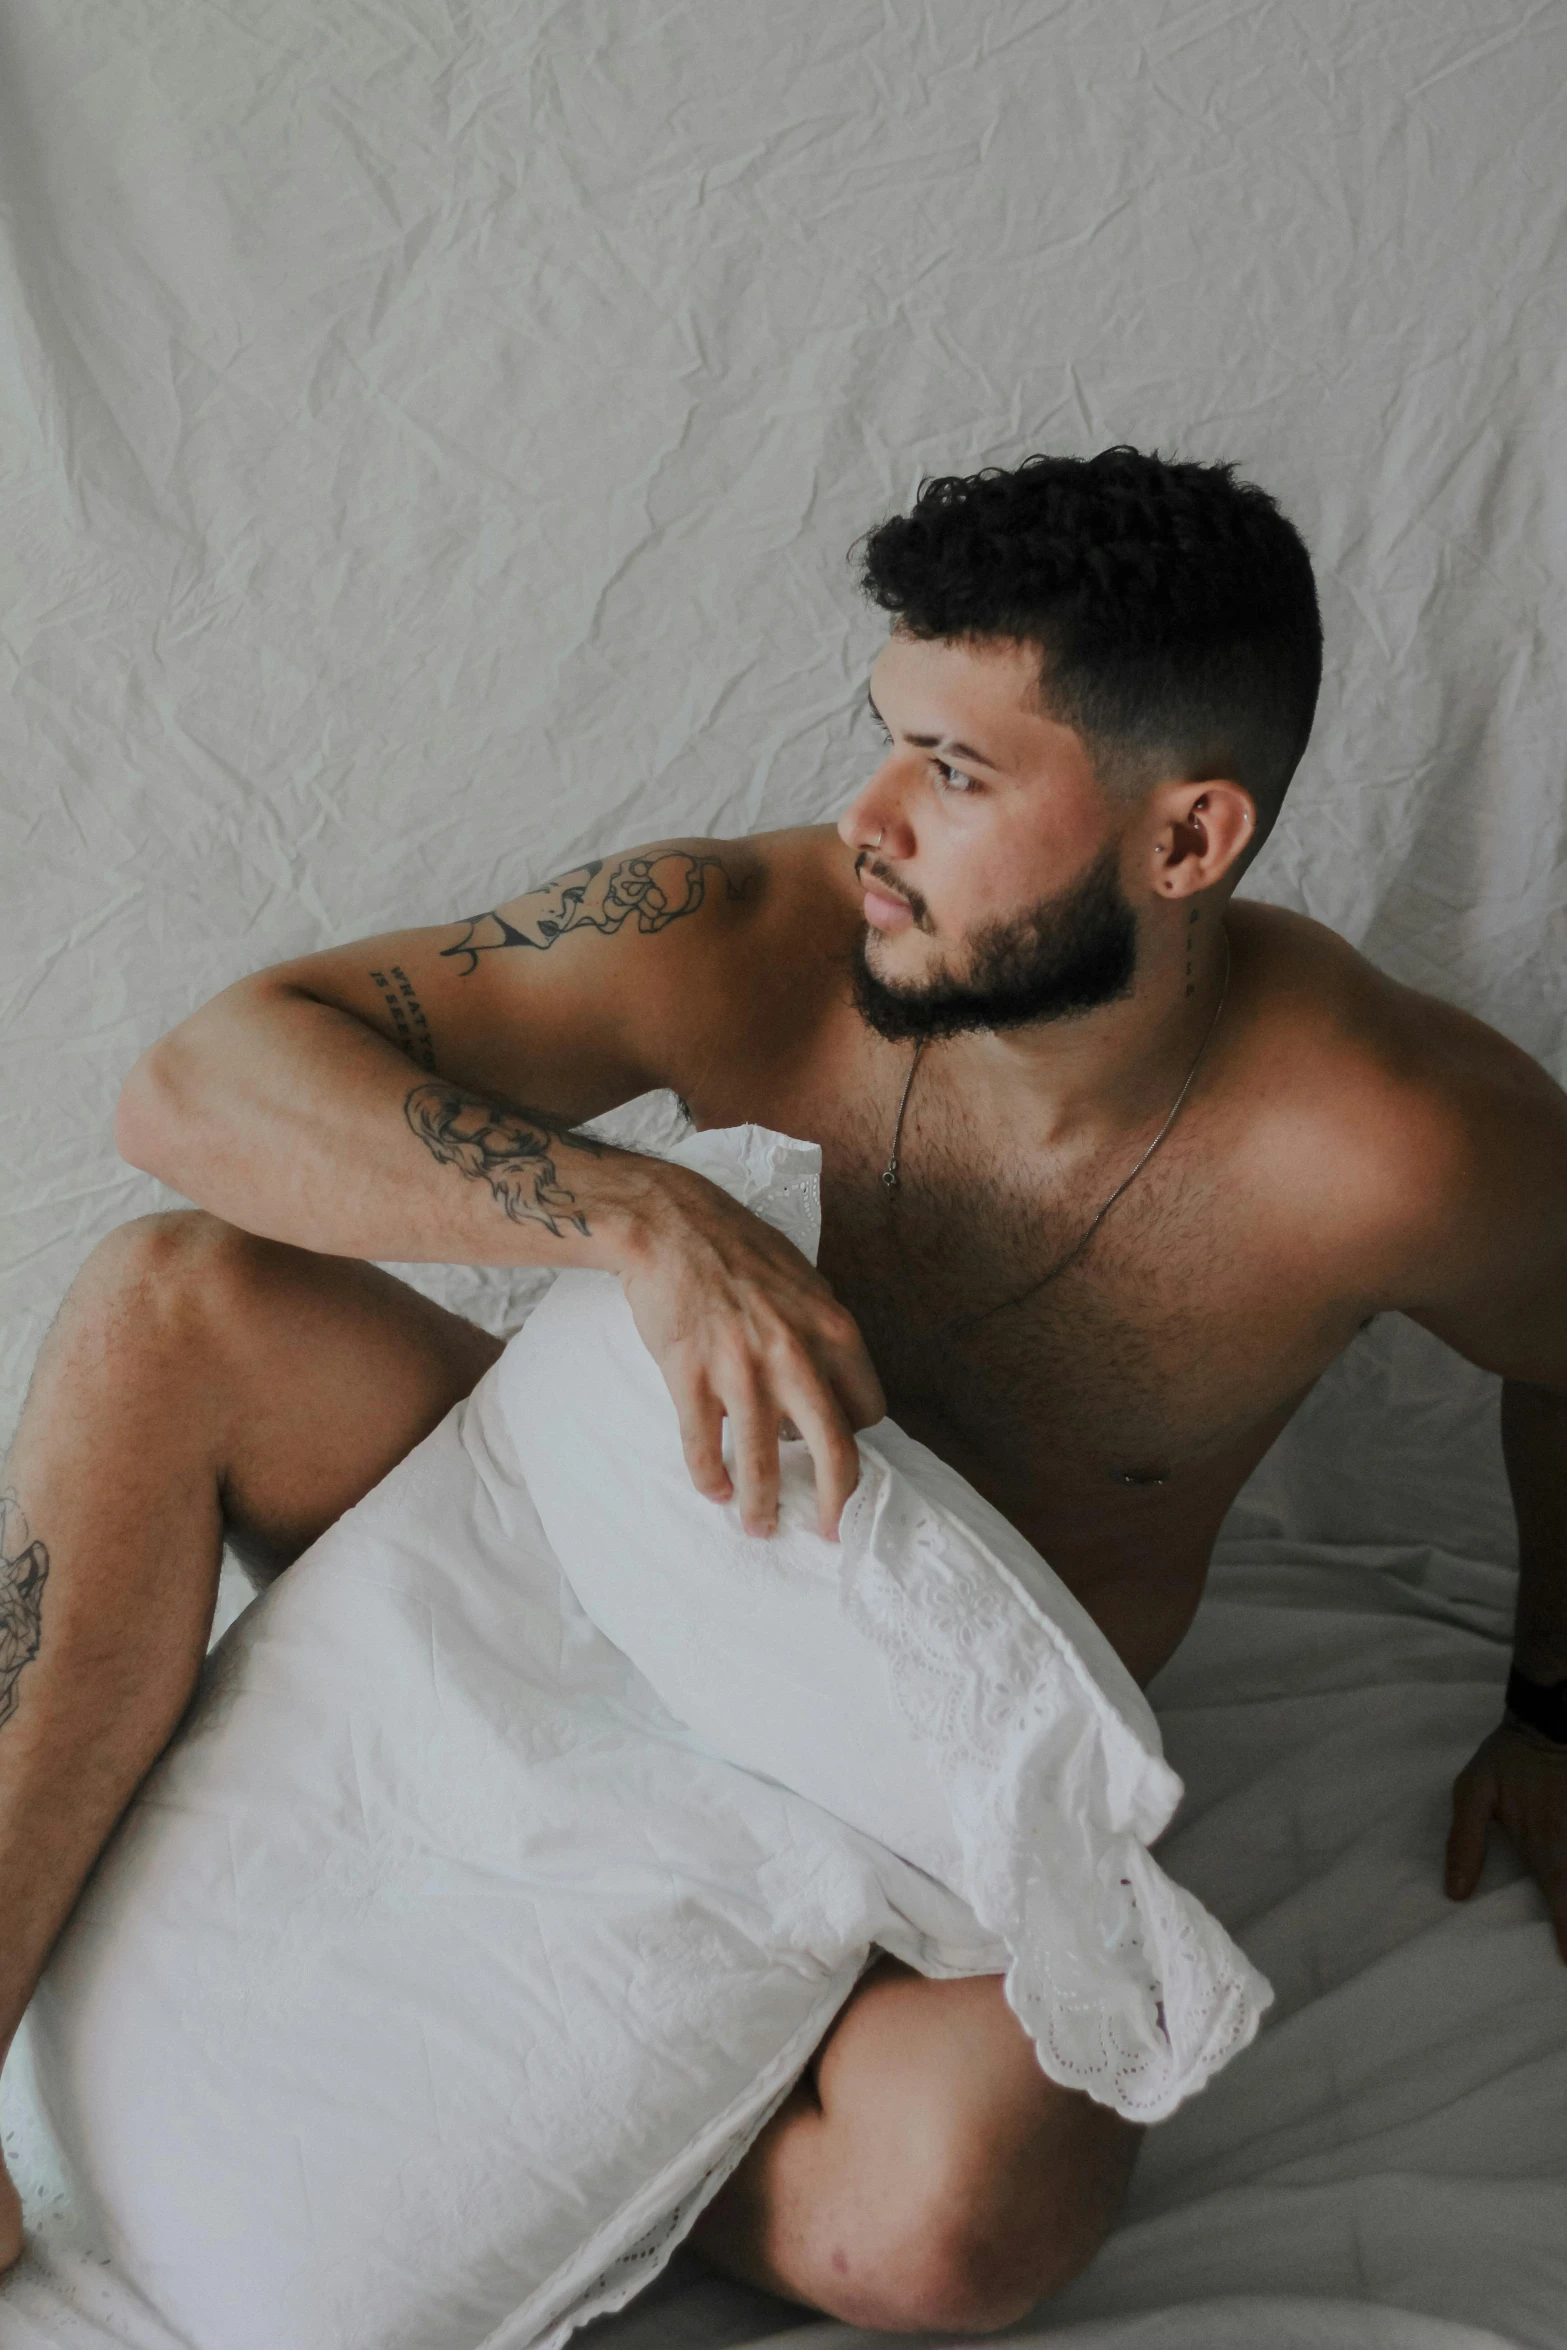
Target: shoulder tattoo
652 891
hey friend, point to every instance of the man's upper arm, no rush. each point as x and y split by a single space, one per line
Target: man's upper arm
1493 1281
573 997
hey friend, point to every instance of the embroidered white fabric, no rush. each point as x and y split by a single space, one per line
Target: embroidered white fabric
928 1679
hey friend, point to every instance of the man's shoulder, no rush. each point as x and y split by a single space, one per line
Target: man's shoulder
1385 1042
762 966
706 896
803 875
794 904
1418 1116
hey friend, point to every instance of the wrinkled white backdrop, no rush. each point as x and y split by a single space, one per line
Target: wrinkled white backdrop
432 432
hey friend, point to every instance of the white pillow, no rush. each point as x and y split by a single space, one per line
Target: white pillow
441 1971
435 1978
927 1678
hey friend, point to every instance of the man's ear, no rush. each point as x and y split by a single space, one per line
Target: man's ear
1201 830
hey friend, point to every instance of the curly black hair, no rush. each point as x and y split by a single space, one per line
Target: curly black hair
1173 606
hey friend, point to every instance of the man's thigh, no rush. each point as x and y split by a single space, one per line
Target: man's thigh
332 1370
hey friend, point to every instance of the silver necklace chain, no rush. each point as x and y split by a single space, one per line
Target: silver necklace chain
890 1176
889 1173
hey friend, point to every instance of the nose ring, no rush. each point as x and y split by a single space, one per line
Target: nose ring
876 843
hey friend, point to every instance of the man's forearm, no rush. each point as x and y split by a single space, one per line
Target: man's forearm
1534 1441
294 1120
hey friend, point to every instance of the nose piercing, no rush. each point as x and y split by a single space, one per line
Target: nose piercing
876 843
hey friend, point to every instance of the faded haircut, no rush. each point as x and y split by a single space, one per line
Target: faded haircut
1173 607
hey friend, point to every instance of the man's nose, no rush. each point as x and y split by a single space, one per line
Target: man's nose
875 819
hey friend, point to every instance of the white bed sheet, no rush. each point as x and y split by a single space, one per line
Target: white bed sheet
429 435
1387 2166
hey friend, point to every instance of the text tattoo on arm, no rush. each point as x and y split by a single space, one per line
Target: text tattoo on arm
652 891
511 1149
413 1029
24 1568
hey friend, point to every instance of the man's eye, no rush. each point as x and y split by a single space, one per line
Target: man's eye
953 779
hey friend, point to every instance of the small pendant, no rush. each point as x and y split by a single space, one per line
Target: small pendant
889 1175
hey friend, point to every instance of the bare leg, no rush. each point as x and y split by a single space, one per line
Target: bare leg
196 1379
925 2174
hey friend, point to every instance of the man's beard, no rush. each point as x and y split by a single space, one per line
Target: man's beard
1068 955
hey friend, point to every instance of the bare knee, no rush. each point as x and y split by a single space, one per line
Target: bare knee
993 2186
175 1264
144 1307
990 2268
297 1379
988 2238
174 1317
202 1292
928 2177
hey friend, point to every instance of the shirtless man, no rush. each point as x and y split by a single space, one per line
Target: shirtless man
1113 1168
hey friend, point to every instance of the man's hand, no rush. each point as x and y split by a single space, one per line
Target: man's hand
1520 1779
743 1328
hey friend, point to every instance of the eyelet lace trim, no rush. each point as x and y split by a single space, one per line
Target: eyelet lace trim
1126 1985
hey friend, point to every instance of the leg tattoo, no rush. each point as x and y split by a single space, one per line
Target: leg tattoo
24 1566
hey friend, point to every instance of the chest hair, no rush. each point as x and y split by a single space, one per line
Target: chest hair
1121 1352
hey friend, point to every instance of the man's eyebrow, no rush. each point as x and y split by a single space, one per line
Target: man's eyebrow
935 742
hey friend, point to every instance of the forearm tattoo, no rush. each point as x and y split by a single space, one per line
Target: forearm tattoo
24 1568
413 1029
509 1148
654 891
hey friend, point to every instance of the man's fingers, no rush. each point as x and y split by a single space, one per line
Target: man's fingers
863 1398
853 1374
702 1441
1472 1801
1538 1827
753 1433
834 1453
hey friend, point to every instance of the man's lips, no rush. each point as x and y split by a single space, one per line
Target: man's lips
883 911
885 908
